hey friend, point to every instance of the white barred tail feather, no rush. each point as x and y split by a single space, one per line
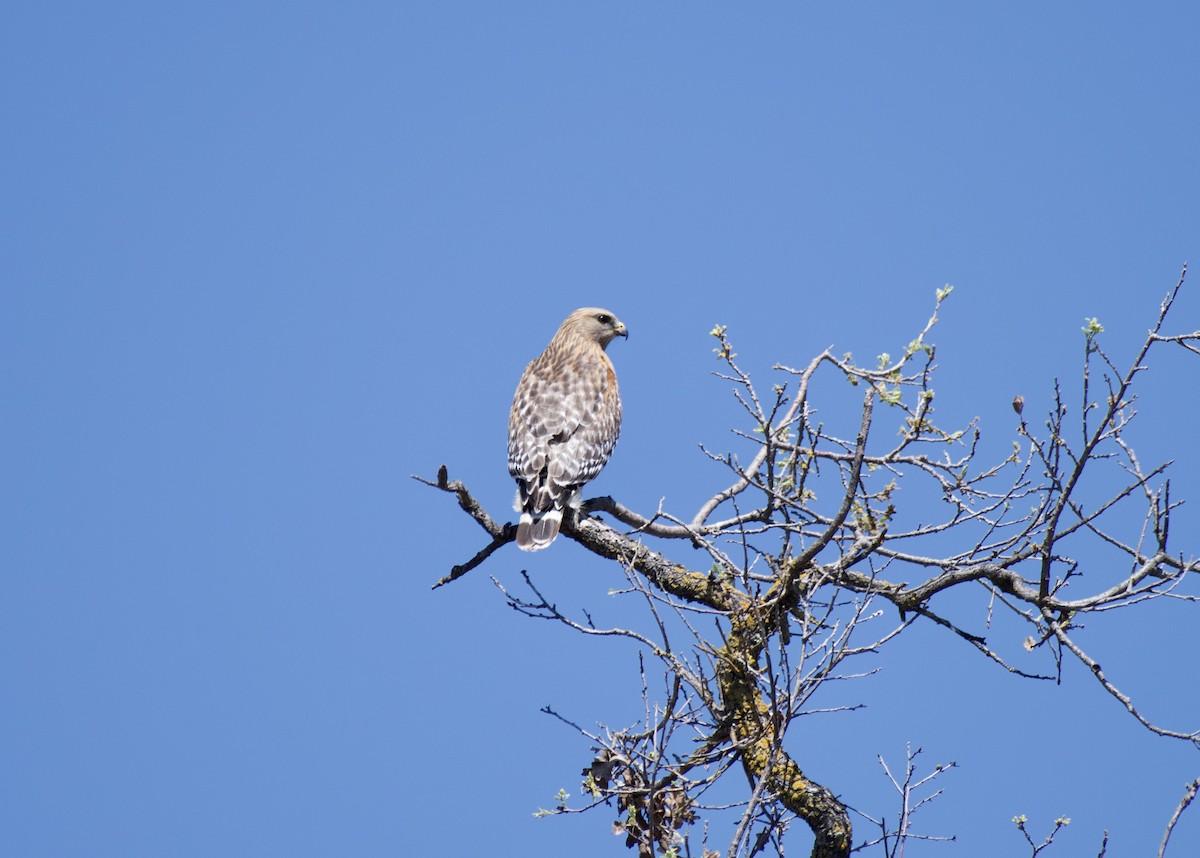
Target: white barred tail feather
534 534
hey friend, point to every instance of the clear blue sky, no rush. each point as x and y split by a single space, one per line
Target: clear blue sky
263 261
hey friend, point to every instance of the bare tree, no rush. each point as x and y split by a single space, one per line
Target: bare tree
811 560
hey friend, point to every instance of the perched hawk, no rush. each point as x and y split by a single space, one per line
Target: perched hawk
565 418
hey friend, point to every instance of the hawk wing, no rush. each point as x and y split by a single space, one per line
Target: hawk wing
564 424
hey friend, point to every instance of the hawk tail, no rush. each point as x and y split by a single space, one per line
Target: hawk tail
536 532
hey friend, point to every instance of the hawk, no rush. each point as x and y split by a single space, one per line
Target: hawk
565 418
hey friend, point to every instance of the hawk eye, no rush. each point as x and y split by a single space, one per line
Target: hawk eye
604 319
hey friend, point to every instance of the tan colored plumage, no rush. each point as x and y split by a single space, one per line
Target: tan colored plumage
564 423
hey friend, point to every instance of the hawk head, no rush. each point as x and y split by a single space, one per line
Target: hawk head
597 325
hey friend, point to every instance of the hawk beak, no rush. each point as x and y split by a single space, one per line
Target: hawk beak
621 330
